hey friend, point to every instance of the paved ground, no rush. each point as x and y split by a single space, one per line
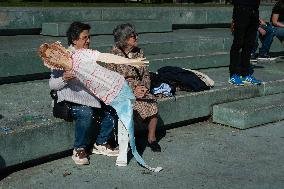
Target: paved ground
201 155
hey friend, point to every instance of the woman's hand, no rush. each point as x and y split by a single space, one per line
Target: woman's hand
140 91
68 75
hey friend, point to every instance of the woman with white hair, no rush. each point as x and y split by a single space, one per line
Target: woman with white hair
145 106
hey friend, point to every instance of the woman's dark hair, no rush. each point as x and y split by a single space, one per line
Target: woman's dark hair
74 31
121 33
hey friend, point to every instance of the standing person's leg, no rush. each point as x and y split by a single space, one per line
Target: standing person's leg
240 19
249 38
250 33
83 117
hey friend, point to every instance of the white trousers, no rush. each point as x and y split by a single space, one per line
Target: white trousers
123 139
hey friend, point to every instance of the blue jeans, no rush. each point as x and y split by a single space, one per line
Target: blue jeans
85 126
266 40
279 33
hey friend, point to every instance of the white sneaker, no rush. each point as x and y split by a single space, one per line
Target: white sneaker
80 157
266 58
104 149
121 163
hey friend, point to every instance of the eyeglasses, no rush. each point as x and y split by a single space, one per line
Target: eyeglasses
85 38
135 36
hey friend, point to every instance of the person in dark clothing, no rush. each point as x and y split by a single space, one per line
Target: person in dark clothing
245 25
277 20
266 34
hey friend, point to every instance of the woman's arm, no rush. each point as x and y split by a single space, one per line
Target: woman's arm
275 22
56 80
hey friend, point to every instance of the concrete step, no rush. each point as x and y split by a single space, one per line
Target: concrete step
185 60
24 60
26 122
17 19
183 40
11 68
31 42
106 27
180 47
251 112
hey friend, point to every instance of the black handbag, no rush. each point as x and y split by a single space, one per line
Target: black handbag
62 109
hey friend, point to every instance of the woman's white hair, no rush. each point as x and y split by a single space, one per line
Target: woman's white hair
121 33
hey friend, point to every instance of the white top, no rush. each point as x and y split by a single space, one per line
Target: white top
103 83
72 90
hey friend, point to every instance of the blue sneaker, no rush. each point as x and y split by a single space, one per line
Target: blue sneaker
251 80
236 80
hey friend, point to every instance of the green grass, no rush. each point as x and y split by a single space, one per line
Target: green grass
70 4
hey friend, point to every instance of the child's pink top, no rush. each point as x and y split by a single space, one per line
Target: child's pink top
103 83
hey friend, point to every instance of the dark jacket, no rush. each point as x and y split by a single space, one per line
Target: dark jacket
181 78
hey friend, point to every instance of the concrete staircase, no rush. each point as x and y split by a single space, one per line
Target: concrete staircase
27 127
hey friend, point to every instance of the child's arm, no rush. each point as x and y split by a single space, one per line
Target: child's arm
111 58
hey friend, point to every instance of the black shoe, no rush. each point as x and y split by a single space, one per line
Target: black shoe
155 147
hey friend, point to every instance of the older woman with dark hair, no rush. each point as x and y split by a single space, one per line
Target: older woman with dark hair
125 38
84 105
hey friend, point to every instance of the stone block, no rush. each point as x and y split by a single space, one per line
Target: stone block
273 87
106 27
30 18
20 63
251 112
214 16
35 141
186 61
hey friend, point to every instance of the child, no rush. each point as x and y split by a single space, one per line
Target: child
108 86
